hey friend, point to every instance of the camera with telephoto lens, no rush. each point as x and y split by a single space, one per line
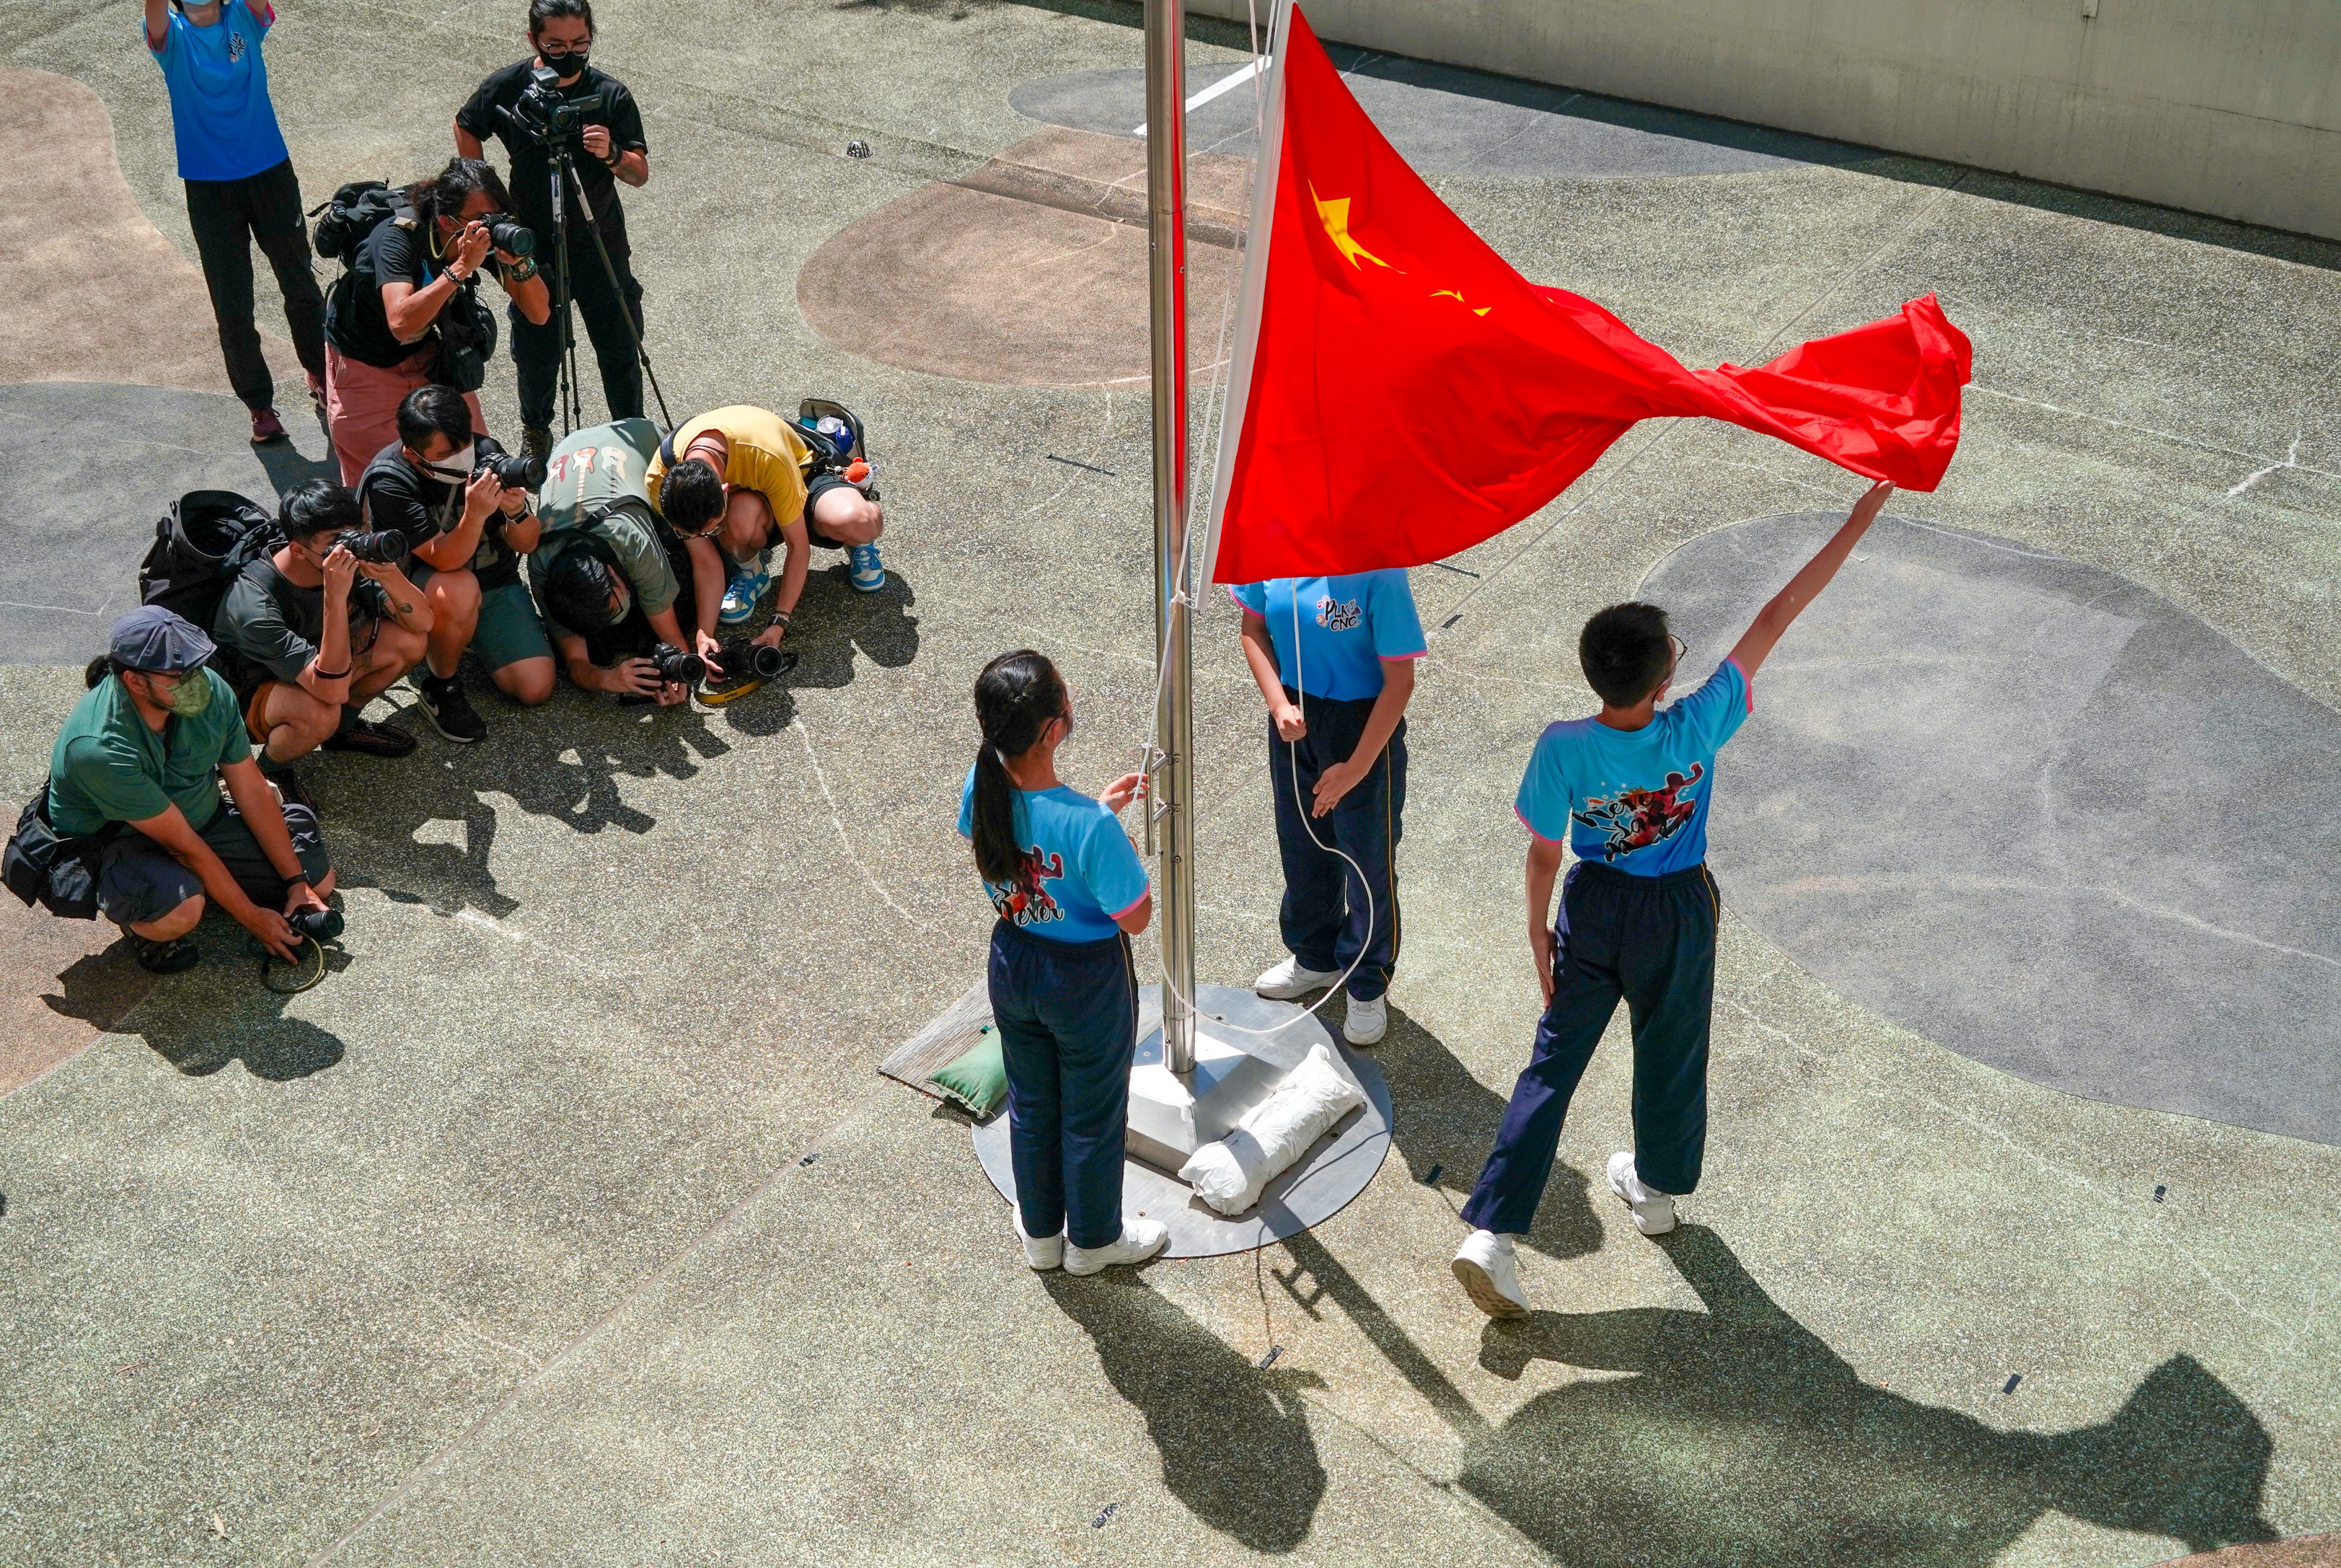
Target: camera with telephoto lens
740 657
513 472
383 547
547 116
675 666
319 926
509 235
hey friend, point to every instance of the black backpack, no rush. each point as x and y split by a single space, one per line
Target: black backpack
356 210
201 546
42 865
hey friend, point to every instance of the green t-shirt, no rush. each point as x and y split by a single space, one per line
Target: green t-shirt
108 767
593 483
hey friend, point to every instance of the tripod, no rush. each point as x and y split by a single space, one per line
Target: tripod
564 176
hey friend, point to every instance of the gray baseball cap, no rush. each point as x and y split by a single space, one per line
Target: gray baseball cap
151 638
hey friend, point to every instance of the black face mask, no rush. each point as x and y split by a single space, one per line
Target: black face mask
568 67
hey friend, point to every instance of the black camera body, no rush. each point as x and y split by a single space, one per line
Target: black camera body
677 668
383 547
743 658
543 114
319 926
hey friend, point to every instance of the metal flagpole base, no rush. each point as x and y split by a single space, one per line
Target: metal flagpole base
1170 1117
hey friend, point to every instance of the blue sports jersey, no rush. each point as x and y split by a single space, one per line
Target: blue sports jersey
1635 798
220 113
1081 870
1349 625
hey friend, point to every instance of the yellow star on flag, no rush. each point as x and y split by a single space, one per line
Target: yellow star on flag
1335 216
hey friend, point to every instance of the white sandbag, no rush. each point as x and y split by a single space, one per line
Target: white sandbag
1230 1174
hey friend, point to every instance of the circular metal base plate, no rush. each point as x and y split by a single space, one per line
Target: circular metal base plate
1336 1168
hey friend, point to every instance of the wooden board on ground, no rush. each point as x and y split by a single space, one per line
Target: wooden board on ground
943 1042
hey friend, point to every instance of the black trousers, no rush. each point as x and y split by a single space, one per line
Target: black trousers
227 216
1648 941
601 312
1324 917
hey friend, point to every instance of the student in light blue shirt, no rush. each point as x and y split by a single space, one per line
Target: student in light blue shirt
1071 892
1334 658
240 188
1627 790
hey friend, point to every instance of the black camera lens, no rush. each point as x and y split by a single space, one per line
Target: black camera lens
676 667
317 925
509 235
384 548
516 472
740 657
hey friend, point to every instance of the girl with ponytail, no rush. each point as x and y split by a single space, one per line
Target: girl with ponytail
1071 892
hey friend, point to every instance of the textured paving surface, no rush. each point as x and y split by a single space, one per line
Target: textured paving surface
571 1224
2036 813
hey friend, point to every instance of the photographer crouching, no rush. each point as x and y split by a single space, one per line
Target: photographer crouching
319 627
460 503
405 313
150 749
556 98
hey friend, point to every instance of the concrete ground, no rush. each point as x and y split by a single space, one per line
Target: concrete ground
570 1223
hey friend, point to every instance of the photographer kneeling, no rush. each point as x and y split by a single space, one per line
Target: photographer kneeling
321 626
384 332
613 579
461 505
148 749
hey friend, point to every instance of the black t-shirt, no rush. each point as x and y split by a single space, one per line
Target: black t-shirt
398 250
396 497
530 179
272 625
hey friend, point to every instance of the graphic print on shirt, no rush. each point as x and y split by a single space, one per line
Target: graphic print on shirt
1025 901
1635 819
1334 615
234 45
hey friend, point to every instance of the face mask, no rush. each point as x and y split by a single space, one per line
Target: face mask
187 696
455 467
566 66
625 607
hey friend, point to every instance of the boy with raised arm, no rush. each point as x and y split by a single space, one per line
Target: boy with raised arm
1628 789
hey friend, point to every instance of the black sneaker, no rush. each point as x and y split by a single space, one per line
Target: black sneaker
370 740
166 958
535 443
450 711
290 790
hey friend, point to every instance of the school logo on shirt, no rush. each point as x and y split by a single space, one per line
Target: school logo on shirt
1335 616
234 45
1025 901
1635 819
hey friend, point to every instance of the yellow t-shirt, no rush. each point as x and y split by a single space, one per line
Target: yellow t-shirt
766 457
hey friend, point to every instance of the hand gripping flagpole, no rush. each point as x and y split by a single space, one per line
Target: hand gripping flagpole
1171 806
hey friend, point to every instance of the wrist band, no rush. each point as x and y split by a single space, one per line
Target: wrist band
781 616
339 675
522 273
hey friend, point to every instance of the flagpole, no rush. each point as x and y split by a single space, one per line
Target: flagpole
1173 804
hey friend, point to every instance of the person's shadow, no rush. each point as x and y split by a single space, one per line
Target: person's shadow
830 620
1235 1441
1742 1438
202 1020
1445 1122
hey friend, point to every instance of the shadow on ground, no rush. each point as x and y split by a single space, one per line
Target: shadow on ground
1235 1441
201 1021
1742 1438
1446 1123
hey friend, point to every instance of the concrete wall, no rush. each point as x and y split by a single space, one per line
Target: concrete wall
2221 106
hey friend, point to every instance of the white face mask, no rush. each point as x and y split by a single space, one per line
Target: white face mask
455 467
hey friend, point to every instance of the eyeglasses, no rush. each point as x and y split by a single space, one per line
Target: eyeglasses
1682 649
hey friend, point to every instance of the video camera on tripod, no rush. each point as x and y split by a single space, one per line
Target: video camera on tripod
546 115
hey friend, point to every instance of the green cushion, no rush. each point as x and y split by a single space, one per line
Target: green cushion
978 1079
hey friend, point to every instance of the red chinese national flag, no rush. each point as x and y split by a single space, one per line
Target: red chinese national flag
1402 393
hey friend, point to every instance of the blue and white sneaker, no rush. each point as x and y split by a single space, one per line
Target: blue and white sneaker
865 570
744 585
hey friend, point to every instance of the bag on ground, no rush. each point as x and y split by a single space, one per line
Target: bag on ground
1231 1174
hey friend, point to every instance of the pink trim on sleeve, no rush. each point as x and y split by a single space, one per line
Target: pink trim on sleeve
1126 908
1530 826
1746 683
1401 658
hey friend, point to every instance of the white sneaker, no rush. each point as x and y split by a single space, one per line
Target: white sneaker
1367 1021
1043 1253
1491 1272
1292 978
1654 1211
1141 1239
